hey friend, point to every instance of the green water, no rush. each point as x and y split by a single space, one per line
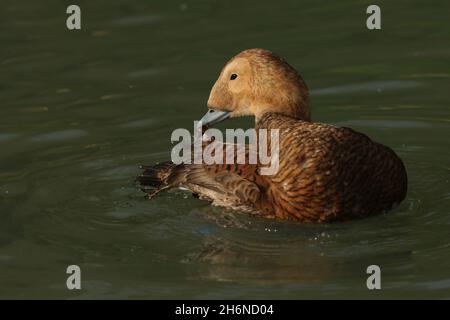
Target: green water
80 110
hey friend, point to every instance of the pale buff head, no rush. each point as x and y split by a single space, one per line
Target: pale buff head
256 82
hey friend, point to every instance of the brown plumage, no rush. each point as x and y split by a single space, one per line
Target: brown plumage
326 173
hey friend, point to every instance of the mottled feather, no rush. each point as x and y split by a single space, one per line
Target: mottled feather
326 173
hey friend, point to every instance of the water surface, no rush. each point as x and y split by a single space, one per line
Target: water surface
80 110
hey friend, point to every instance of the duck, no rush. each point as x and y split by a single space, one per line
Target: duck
326 173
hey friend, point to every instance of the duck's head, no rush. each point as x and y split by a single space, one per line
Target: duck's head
256 82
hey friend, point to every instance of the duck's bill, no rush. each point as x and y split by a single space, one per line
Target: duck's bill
213 117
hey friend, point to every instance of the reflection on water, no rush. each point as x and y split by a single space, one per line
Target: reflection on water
60 135
260 263
7 136
385 124
368 87
137 20
81 110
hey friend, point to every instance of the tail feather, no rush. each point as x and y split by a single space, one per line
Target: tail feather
156 178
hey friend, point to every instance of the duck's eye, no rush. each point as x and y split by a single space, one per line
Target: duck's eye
233 76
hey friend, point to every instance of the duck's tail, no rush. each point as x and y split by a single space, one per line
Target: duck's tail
156 178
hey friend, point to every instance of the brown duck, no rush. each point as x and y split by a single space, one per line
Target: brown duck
326 173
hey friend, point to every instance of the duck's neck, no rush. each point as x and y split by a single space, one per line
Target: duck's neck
266 119
271 120
295 111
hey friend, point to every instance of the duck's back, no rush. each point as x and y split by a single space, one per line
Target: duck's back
330 173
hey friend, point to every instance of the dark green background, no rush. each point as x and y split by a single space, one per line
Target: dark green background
79 110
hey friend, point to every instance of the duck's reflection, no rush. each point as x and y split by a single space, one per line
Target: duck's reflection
258 252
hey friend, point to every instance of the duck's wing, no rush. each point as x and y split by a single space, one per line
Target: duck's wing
229 185
222 187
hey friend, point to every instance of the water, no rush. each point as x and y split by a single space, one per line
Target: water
81 110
